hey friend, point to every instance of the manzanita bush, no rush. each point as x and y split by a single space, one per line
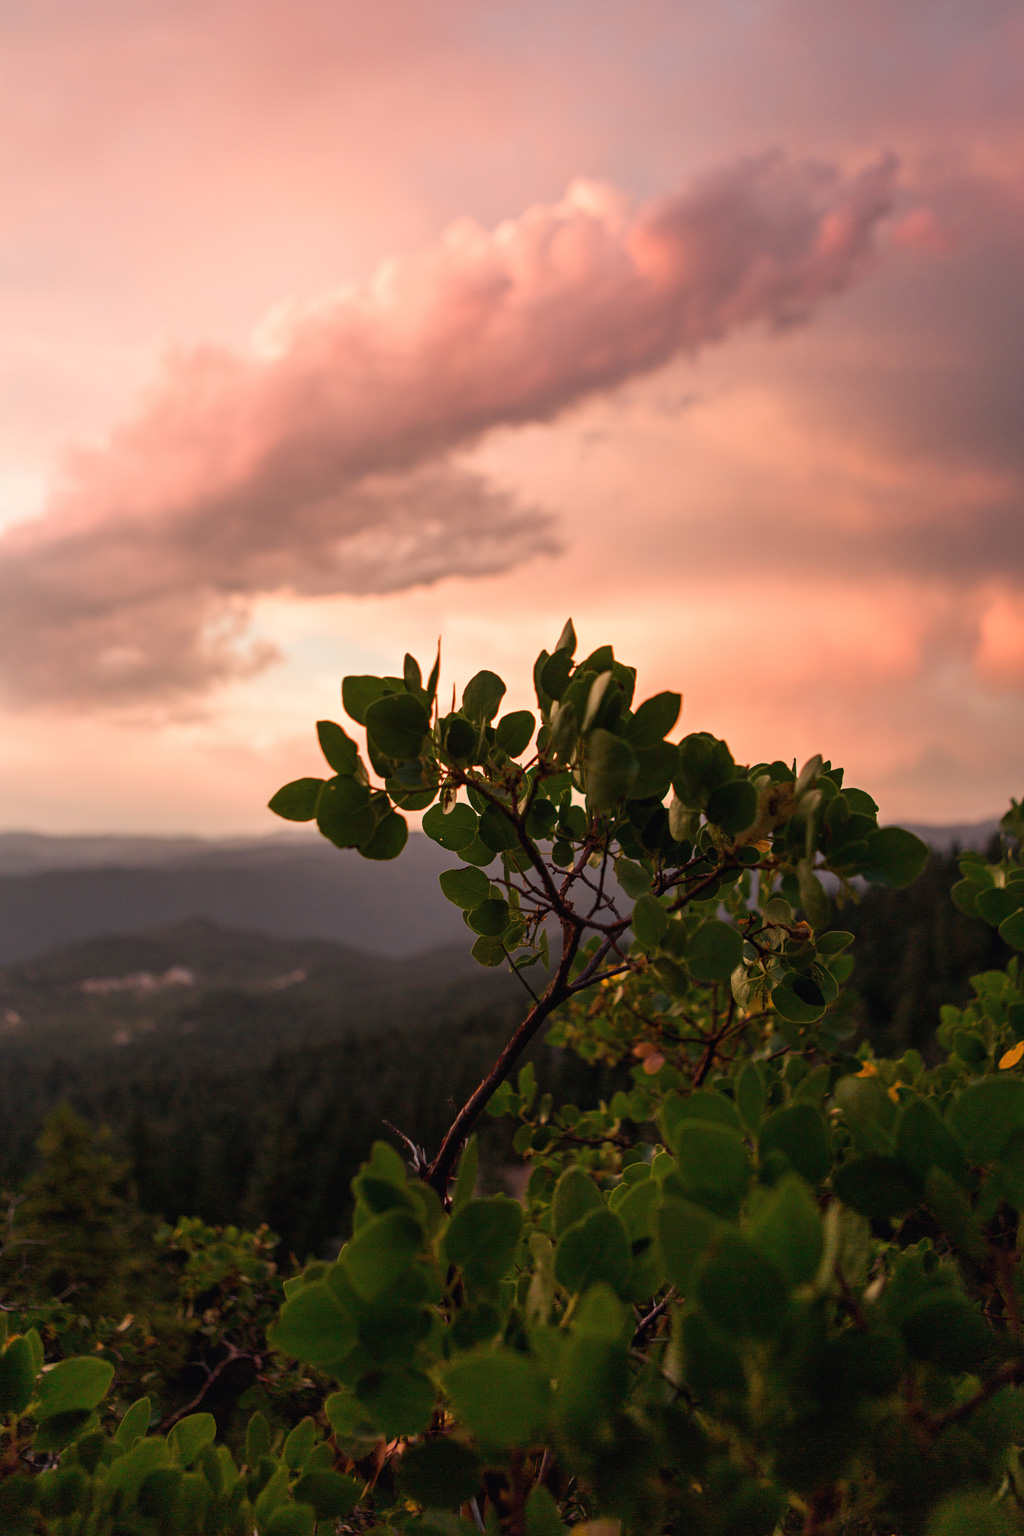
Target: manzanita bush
773 1286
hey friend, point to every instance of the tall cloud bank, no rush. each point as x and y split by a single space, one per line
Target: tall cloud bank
322 461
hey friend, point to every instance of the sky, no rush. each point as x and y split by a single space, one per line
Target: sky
330 330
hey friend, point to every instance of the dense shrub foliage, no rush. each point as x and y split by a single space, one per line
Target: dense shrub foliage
772 1283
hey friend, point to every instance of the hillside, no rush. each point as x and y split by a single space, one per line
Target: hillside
220 989
60 891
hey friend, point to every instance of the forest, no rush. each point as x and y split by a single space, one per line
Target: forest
242 1102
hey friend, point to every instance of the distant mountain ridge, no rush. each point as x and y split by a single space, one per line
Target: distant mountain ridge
61 891
56 891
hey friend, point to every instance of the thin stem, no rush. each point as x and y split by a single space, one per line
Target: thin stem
645 1324
461 1127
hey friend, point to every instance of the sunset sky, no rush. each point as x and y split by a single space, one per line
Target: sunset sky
330 328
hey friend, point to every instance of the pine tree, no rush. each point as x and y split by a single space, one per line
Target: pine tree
72 1233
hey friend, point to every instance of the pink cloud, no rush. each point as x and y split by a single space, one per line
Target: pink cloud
320 461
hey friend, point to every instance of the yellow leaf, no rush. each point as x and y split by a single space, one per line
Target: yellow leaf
653 1063
893 1093
1012 1056
868 1070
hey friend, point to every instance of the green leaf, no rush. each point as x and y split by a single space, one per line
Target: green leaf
397 724
815 902
190 1435
440 1473
331 1494
554 675
567 639
17 1376
344 813
465 1182
1011 930
611 769
971 1514
460 738
732 806
59 1430
596 1248
482 697
986 1114
497 830
593 1379
923 1142
868 1111
742 1291
895 857
947 1328
489 951
575 1196
297 801
314 1326
290 1520
997 903
381 1251
950 1206
515 732
481 1240
401 1402
542 1517
798 999
704 764
963 895
454 830
633 878
134 1425
712 1362
299 1443
390 837
712 1164
35 1345
501 1396
657 766
833 942
358 693
799 1131
702 1104
338 747
787 1227
80 1382
877 1186
467 888
750 1095
412 676
257 1439
649 922
653 719
714 951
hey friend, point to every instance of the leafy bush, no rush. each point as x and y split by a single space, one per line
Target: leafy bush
774 1285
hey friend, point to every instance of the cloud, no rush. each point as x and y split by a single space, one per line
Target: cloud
323 460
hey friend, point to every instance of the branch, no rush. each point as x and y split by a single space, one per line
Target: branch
645 1324
1008 1374
519 826
180 1413
461 1127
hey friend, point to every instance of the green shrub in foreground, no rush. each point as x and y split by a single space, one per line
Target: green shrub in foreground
774 1286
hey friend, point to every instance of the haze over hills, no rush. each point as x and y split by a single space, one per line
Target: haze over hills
56 891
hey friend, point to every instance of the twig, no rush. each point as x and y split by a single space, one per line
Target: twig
645 1324
461 1127
1009 1374
211 1377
